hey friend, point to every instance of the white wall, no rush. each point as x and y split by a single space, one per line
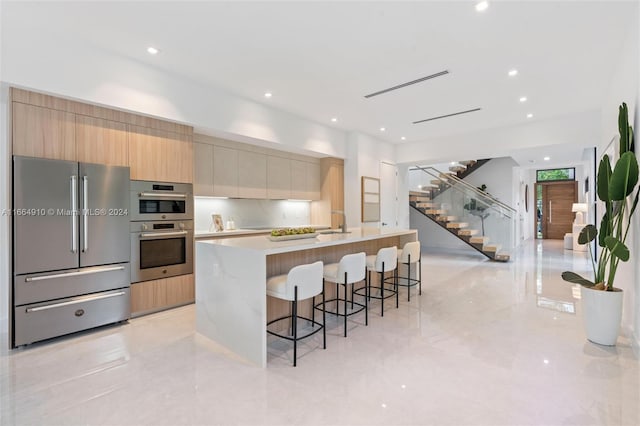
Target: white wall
252 213
625 87
364 154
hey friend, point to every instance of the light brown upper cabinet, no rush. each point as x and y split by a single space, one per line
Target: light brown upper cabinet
101 141
299 180
314 182
225 171
43 132
158 155
252 175
278 177
203 169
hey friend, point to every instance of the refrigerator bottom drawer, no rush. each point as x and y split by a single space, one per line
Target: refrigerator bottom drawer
42 321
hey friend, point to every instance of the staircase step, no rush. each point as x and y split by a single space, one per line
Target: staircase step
436 182
446 218
457 225
429 205
492 247
435 211
417 199
446 176
468 232
456 169
502 257
479 240
468 163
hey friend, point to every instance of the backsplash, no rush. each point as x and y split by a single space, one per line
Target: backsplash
251 213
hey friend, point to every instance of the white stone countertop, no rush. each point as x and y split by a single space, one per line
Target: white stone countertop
265 245
241 231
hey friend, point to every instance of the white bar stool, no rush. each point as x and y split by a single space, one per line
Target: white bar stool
350 270
385 261
302 282
408 255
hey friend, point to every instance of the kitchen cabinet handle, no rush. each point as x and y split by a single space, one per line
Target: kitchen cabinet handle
162 234
74 217
85 213
75 302
161 195
74 274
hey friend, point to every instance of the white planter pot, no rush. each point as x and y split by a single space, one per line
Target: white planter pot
602 313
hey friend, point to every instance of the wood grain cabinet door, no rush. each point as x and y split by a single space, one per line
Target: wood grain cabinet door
299 180
278 177
101 141
203 169
43 132
158 155
225 172
252 175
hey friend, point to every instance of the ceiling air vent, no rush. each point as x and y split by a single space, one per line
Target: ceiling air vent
408 83
448 115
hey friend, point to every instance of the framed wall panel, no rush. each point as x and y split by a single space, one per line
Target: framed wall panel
370 199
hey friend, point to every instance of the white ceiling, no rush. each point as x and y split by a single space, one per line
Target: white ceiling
320 58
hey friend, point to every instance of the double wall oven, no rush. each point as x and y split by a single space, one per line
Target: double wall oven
161 230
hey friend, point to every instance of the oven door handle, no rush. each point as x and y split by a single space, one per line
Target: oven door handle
160 195
162 234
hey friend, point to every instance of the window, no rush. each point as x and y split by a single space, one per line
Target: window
550 175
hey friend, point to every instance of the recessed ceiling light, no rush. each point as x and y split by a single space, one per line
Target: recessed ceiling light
334 119
482 6
513 72
547 158
382 129
452 163
529 115
152 50
268 95
523 99
403 138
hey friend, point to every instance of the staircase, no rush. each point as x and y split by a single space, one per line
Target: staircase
460 170
451 211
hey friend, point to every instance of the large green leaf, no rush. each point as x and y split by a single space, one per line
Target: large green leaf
587 234
604 175
572 277
617 248
624 177
635 203
605 230
623 127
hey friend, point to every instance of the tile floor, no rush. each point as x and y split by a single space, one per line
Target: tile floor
486 344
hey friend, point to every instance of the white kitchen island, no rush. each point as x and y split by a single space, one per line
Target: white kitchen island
231 276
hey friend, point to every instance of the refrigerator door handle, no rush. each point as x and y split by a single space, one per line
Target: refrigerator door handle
74 214
74 274
85 213
75 302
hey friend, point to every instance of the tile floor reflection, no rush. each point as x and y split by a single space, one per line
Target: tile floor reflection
486 344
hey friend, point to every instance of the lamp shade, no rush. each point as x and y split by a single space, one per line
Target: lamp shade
579 207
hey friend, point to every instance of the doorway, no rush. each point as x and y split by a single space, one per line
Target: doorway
554 217
388 195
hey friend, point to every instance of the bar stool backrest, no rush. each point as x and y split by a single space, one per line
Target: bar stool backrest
308 278
388 256
410 249
354 265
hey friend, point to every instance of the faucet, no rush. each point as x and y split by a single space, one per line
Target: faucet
343 226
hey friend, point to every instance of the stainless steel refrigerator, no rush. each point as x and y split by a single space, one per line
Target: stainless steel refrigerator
70 247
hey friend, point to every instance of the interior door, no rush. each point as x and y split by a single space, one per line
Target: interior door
45 238
557 217
104 218
388 195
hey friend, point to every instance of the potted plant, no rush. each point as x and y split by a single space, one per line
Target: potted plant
602 302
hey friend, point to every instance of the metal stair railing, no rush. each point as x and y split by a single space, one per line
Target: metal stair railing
498 215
